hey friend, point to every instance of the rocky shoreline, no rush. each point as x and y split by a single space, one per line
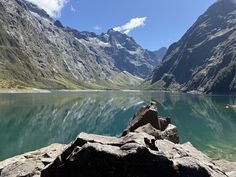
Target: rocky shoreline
149 147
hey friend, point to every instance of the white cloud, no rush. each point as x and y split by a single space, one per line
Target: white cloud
72 8
132 24
52 7
98 28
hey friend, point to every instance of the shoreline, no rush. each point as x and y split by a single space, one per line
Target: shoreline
24 91
37 90
34 90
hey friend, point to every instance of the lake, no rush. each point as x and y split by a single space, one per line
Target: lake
29 121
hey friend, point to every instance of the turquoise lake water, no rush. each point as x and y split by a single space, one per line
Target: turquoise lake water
33 120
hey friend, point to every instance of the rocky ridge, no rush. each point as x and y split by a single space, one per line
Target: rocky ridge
204 59
38 51
148 147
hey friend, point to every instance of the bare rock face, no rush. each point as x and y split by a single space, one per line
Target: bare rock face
170 133
228 167
125 156
188 160
204 59
136 154
31 163
145 115
147 120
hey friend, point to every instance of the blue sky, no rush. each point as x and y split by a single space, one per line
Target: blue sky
162 22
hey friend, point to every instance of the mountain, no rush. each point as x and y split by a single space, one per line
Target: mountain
160 53
38 51
126 53
204 59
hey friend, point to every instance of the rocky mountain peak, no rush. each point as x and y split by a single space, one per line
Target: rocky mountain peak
221 8
227 1
33 8
55 56
58 24
119 39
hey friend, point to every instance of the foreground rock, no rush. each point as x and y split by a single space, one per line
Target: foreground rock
147 120
144 150
228 167
31 163
136 154
147 148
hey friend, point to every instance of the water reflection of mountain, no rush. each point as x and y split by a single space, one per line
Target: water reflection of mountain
28 122
31 121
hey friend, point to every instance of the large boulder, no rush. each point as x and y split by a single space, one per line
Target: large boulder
145 115
148 118
101 160
188 160
136 154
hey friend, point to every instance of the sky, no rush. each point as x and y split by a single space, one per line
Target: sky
152 23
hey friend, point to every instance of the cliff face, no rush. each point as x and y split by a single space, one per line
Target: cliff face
37 51
204 59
